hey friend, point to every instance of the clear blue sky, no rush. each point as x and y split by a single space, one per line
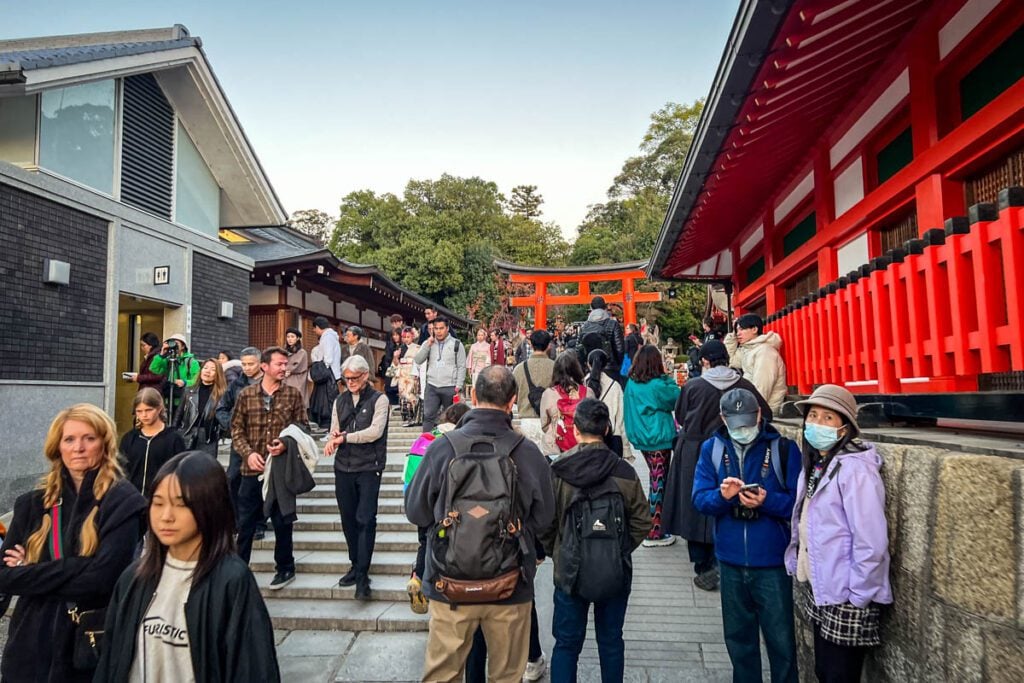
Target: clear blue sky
338 95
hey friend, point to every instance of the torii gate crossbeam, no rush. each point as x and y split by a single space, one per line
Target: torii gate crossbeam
541 276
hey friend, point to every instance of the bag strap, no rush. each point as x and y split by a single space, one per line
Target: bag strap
56 534
717 452
529 380
778 464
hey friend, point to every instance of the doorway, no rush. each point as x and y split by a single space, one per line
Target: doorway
134 317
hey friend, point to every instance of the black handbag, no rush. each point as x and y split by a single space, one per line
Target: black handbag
88 637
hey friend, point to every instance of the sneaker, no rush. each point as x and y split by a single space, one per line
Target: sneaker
659 542
259 534
281 579
707 581
417 601
535 670
349 579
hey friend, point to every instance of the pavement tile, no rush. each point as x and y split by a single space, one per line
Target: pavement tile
383 657
308 669
315 643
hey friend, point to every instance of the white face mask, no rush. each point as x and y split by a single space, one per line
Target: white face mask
744 435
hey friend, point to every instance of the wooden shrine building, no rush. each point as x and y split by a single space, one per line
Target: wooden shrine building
856 178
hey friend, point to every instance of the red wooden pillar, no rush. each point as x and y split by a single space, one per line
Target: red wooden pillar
961 296
937 295
628 302
896 286
882 323
938 198
1012 240
540 307
988 284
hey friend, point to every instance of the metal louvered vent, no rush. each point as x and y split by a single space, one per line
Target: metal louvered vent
147 149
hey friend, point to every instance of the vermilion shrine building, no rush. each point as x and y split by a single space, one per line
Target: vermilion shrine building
855 179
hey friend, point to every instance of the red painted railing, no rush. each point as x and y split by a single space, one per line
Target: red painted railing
930 316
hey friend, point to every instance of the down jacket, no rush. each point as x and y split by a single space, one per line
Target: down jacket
762 364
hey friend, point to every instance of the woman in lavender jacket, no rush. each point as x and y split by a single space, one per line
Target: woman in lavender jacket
839 548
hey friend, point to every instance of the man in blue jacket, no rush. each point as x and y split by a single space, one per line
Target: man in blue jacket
746 479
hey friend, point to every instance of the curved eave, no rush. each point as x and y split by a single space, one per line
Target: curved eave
752 34
508 268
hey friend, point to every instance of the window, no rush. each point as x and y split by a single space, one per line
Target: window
755 270
197 195
18 129
801 233
895 155
76 134
802 285
997 72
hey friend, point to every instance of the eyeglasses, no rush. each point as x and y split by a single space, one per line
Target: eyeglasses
354 379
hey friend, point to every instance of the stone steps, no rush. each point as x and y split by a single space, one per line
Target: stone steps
344 615
335 562
314 601
404 540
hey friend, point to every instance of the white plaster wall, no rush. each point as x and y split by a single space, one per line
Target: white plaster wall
853 254
348 311
797 195
962 23
849 186
752 241
262 295
319 303
882 107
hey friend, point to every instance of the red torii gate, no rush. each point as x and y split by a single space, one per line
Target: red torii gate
542 276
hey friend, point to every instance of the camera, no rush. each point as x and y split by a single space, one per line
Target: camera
172 349
744 513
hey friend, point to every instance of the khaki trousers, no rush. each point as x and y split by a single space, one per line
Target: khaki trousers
506 630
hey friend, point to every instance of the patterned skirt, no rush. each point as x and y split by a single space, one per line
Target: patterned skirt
845 624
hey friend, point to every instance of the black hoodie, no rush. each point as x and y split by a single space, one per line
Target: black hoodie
586 466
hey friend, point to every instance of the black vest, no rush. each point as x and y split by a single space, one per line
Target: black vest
360 457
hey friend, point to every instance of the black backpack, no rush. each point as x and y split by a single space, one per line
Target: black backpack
595 334
477 548
594 557
533 392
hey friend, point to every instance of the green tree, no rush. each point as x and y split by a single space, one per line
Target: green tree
313 222
440 239
525 201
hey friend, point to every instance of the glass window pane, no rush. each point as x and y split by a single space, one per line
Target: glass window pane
196 195
18 129
76 134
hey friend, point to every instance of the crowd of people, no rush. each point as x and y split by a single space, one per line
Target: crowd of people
130 559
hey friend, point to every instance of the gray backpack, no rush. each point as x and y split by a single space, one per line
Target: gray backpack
477 548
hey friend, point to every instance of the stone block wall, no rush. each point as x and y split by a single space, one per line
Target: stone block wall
50 332
214 281
956 537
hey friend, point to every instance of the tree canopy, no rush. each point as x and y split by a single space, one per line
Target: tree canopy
440 238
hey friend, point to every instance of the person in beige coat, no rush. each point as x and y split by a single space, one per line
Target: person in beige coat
756 354
297 371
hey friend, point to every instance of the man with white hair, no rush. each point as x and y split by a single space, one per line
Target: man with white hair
358 441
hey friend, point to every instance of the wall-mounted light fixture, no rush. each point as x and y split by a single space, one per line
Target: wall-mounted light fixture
56 272
227 310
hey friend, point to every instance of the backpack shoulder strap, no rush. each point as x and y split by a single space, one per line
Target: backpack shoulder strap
717 453
778 461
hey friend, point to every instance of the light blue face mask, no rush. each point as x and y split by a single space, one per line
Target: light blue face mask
821 437
744 435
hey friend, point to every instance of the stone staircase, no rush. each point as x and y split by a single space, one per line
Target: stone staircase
314 601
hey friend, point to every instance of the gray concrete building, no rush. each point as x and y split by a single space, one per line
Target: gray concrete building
121 161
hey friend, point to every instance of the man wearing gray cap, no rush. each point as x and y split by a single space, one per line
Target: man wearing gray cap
746 479
355 345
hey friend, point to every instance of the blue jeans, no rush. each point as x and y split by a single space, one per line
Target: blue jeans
569 626
758 599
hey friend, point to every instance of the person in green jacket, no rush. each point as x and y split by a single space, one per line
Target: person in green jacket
186 369
649 403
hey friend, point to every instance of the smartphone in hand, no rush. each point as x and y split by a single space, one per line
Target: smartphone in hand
751 488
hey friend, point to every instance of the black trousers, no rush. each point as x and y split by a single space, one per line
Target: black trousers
357 494
250 507
837 663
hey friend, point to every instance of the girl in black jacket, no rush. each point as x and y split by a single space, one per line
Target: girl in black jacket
196 419
189 609
147 447
69 541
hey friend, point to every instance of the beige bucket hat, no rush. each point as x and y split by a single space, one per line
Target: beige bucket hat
835 398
